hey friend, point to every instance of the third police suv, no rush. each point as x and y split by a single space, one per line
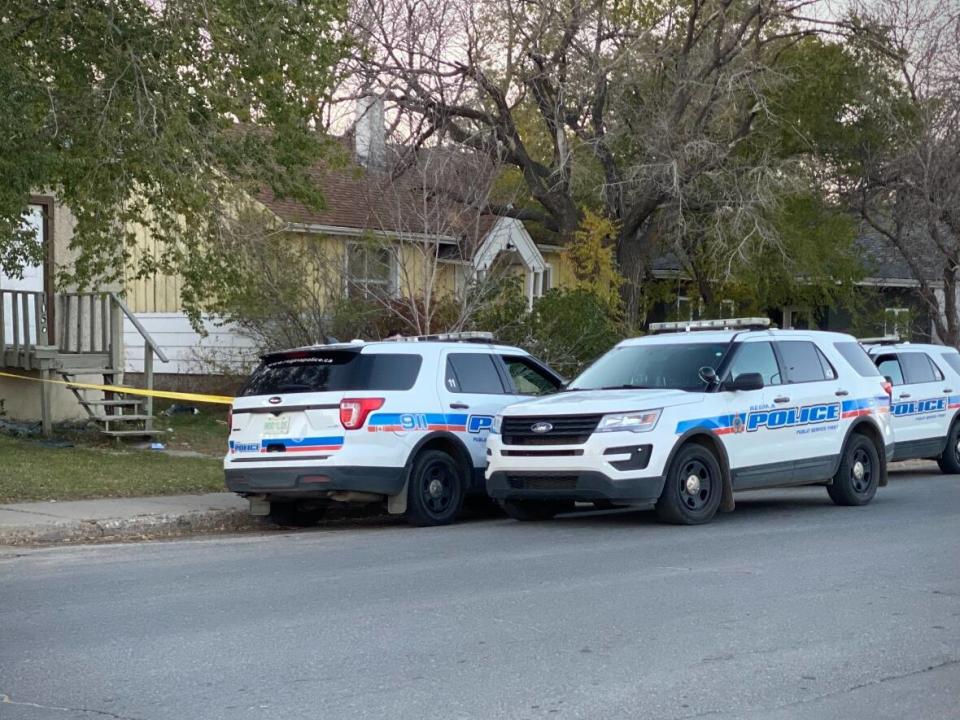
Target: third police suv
682 418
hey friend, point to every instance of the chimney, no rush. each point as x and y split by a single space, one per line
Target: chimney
370 133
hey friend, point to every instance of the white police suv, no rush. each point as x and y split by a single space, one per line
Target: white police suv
403 421
925 382
681 419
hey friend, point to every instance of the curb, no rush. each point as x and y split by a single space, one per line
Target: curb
144 527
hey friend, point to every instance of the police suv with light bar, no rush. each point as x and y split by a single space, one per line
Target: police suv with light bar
925 384
403 421
682 418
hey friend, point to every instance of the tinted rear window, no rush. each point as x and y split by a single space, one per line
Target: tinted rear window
917 368
473 373
854 354
803 362
953 360
332 371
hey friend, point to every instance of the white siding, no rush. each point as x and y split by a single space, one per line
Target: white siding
189 353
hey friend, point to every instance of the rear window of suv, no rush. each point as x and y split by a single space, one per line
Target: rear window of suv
854 354
332 371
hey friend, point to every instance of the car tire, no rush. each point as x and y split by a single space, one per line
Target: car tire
693 487
294 514
435 490
527 510
949 461
858 477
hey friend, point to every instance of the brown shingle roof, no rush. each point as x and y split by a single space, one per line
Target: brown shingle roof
419 193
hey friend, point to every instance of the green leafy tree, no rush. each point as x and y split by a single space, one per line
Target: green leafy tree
159 114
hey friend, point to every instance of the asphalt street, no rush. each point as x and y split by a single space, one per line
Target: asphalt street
788 608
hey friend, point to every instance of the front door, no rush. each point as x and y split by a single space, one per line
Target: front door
32 280
744 431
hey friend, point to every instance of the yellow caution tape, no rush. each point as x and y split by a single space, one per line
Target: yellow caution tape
166 394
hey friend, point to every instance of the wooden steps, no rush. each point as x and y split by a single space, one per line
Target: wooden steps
117 415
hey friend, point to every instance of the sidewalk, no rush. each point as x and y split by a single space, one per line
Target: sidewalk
121 518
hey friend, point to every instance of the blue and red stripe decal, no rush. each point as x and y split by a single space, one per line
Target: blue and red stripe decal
431 422
329 443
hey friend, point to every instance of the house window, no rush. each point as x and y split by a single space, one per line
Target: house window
896 321
369 271
547 278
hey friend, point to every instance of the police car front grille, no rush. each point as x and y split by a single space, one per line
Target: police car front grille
565 430
542 482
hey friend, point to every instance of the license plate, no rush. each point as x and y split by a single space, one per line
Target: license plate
276 425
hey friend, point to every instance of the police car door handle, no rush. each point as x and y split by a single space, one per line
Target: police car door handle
781 399
841 393
904 395
948 390
459 406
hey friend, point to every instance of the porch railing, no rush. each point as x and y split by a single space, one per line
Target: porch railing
23 325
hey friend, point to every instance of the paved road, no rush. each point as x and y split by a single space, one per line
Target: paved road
789 608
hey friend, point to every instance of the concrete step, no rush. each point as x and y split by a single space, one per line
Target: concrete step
123 418
111 403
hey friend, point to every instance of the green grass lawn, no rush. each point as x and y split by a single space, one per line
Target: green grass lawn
30 471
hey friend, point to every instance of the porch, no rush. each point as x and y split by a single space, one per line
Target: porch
65 336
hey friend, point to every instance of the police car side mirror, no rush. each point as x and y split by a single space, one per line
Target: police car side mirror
745 382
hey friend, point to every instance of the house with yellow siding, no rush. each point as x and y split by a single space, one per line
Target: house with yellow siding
392 224
395 223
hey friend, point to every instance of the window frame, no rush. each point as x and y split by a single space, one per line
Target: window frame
896 357
821 358
499 369
727 370
364 284
534 364
933 366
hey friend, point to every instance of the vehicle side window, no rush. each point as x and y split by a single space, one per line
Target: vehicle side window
473 373
889 366
828 371
854 354
917 368
953 360
528 378
802 362
756 357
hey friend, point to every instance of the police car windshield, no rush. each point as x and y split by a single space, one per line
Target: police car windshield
673 366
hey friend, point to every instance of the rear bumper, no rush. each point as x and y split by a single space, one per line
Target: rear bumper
583 485
314 481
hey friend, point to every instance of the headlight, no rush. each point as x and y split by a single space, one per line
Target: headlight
495 427
640 421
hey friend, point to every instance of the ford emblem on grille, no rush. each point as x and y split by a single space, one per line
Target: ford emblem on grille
541 427
275 400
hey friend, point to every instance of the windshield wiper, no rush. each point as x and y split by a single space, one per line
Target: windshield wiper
626 387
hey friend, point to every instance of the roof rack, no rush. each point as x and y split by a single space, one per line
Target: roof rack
883 340
475 336
752 323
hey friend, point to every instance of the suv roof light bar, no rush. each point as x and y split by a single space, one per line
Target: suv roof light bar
465 336
750 323
883 340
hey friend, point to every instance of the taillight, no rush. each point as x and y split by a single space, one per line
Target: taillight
354 411
888 389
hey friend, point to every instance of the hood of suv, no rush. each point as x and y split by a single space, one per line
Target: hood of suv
582 402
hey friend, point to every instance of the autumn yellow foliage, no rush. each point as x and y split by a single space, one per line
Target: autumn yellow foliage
592 259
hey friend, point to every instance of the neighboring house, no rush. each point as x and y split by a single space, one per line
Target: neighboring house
893 307
368 198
